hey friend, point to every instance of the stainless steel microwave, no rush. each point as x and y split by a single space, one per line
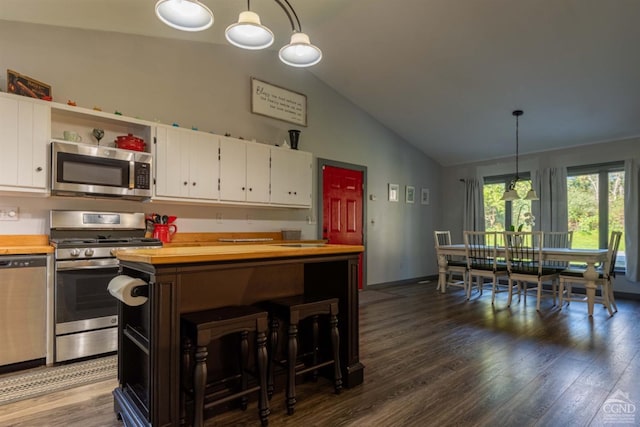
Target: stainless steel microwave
83 169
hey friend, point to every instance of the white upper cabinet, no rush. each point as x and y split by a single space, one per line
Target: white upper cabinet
244 171
187 164
291 177
24 137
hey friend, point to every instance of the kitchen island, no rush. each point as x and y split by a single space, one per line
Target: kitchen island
187 279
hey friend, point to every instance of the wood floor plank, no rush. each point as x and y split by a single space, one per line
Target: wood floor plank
435 359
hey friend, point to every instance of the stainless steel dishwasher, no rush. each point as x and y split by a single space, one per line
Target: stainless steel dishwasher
23 281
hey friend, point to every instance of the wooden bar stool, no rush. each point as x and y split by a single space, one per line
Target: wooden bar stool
291 311
204 326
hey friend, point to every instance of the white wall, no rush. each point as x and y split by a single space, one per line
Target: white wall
207 86
585 155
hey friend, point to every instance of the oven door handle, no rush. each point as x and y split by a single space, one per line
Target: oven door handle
86 264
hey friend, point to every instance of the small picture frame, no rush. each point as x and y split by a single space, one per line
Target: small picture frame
424 196
394 189
21 84
410 194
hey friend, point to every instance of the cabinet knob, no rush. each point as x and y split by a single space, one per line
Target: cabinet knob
243 188
194 184
250 189
185 183
39 169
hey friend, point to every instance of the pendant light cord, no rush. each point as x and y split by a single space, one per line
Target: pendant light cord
288 12
517 147
517 114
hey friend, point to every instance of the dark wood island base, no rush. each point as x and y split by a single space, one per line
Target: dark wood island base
184 280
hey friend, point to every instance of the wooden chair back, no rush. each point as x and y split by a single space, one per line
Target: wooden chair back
480 248
524 252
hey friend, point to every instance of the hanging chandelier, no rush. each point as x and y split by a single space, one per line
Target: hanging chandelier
247 33
511 194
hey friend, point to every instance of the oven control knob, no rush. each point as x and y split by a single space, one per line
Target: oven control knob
75 252
88 252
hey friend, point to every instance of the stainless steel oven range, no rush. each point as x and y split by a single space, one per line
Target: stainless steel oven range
85 313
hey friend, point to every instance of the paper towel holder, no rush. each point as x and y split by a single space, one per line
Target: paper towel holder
140 291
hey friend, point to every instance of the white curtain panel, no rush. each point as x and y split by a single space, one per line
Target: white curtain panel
473 219
631 215
551 210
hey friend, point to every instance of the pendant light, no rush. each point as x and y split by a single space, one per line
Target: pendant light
299 52
511 194
185 15
248 32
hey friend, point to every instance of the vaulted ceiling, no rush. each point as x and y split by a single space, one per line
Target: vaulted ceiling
442 74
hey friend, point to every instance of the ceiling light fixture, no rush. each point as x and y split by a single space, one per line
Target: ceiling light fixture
185 15
511 194
299 52
247 33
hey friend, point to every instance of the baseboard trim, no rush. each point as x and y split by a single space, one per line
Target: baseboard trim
426 279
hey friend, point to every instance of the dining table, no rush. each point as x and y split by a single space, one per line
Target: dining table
590 257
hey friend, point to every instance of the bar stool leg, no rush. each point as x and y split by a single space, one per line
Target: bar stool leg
273 346
186 367
199 384
244 366
261 359
314 356
291 372
335 343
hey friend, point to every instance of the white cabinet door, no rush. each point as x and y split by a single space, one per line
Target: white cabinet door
291 177
244 171
186 164
203 166
258 172
233 169
172 166
24 138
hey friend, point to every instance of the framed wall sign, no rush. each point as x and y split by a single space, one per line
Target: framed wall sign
278 103
410 194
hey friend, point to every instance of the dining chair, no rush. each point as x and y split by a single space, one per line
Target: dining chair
525 264
455 264
558 239
606 274
482 261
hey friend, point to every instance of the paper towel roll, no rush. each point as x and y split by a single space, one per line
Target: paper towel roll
121 287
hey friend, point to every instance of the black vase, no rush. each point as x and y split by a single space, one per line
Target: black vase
294 136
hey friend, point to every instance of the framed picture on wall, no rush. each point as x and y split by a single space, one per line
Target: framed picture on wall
424 196
410 194
394 189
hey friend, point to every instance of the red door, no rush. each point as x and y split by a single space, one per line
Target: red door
342 208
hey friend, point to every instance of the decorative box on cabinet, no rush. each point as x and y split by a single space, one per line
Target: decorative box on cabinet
291 177
187 165
244 171
24 136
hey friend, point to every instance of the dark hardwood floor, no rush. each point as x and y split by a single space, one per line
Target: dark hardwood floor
435 360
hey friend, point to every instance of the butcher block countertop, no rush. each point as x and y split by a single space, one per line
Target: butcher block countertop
183 255
20 244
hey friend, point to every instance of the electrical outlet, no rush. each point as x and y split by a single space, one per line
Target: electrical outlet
8 213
